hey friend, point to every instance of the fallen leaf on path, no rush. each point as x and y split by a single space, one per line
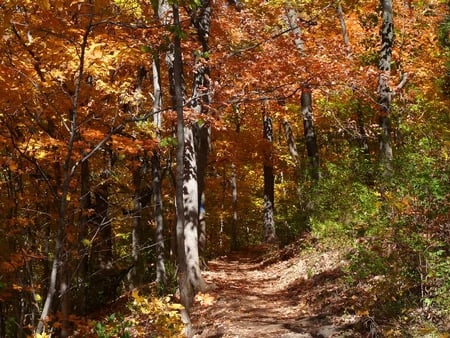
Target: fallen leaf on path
205 299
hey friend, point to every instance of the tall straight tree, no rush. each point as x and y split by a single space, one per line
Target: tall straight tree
384 90
189 277
309 132
269 180
162 9
201 99
174 63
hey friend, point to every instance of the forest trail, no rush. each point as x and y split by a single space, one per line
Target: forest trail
299 297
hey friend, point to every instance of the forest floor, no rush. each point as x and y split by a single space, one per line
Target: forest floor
281 295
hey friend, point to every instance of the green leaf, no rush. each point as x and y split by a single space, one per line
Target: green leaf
146 49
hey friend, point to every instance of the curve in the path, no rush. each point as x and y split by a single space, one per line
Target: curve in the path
252 301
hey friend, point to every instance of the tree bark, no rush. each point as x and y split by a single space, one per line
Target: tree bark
291 19
83 242
136 274
234 201
384 90
293 151
177 90
190 202
161 278
269 180
201 98
345 38
292 146
310 133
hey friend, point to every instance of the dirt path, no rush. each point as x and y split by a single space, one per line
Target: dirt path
292 298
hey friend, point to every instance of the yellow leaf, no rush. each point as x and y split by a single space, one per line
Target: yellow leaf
176 306
137 298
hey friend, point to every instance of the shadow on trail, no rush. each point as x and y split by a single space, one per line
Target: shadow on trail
253 300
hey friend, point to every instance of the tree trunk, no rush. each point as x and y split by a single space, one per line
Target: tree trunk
161 278
69 166
345 38
292 146
83 241
234 220
102 254
291 19
384 90
136 274
310 134
269 180
202 145
190 202
177 89
201 98
293 151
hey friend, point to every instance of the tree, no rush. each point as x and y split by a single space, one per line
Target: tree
189 278
310 133
200 101
384 90
269 179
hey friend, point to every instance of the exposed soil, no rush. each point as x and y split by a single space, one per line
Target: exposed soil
302 296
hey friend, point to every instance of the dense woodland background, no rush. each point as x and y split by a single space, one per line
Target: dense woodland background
326 120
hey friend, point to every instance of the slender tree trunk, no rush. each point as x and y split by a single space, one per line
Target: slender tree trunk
234 189
139 235
57 271
161 278
291 17
234 201
269 180
136 274
83 242
102 254
293 151
310 133
292 146
384 90
345 38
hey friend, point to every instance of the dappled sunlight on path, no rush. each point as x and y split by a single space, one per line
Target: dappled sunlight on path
285 299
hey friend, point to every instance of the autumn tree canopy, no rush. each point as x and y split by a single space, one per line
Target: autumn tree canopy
134 132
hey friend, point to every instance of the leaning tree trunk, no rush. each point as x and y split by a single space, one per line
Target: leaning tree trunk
269 180
310 133
384 90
